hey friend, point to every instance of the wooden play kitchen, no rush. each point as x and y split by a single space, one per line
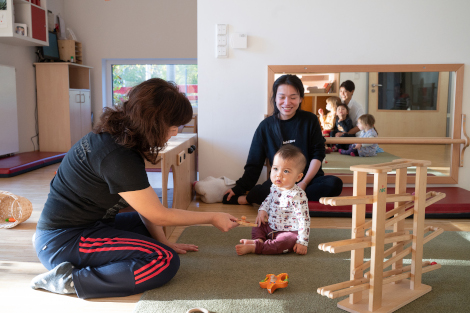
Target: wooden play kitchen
379 290
179 156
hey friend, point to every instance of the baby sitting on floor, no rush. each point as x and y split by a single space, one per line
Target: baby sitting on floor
366 124
285 208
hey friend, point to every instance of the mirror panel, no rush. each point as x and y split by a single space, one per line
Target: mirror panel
406 101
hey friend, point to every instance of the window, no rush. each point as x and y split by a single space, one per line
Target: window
408 91
122 75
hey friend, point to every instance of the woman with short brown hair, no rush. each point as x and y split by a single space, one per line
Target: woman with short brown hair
91 250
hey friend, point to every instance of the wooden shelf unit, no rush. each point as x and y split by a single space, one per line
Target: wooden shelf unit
35 18
64 104
70 48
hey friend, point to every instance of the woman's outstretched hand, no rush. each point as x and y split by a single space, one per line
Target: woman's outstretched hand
230 194
182 248
224 221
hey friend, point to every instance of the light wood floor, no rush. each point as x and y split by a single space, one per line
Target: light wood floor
19 264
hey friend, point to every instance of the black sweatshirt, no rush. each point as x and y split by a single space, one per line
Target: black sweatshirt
303 131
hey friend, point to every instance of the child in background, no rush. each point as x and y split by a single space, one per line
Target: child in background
328 121
366 124
343 125
286 209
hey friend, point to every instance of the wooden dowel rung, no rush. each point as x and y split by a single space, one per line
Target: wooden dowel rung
397 257
405 206
348 200
398 218
363 242
393 278
351 200
354 246
433 235
347 291
400 197
407 268
397 238
431 268
361 267
334 287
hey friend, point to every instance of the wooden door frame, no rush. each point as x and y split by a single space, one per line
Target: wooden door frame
457 108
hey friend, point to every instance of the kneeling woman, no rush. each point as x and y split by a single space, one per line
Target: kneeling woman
90 249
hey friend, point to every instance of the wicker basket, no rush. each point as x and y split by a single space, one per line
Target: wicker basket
13 206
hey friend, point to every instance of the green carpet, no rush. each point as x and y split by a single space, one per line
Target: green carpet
217 279
340 164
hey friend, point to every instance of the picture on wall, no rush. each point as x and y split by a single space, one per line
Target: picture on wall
3 4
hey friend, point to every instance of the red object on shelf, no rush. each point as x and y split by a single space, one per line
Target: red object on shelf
38 18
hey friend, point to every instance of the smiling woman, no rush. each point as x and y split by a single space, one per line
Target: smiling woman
422 101
287 124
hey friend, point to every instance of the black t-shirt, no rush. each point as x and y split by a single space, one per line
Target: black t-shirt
302 130
86 186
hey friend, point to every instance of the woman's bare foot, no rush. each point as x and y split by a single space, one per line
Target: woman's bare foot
245 249
242 200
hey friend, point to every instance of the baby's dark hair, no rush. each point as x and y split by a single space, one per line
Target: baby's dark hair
343 105
291 152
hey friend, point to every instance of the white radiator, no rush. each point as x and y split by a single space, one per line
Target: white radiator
9 142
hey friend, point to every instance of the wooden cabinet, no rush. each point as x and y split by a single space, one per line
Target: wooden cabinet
64 104
24 12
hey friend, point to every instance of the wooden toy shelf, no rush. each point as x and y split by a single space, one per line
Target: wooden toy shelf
378 290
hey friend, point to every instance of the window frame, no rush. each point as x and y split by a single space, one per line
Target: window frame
107 72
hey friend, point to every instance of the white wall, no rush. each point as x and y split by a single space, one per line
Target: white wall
232 92
22 58
130 29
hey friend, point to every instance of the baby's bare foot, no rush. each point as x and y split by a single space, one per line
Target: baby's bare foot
245 249
247 241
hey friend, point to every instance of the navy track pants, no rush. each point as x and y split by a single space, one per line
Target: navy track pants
110 259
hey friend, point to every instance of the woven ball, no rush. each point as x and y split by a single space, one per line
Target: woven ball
13 206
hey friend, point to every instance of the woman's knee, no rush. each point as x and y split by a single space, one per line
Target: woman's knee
337 186
163 274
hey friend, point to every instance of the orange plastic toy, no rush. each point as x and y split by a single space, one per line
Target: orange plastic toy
272 282
244 222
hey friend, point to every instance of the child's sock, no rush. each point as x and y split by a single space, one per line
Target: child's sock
352 154
339 150
58 280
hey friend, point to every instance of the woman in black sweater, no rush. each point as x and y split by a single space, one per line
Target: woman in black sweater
287 124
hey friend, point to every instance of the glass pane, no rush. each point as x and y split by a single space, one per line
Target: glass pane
439 155
408 91
126 76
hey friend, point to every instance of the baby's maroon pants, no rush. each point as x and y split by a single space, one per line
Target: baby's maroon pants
275 242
